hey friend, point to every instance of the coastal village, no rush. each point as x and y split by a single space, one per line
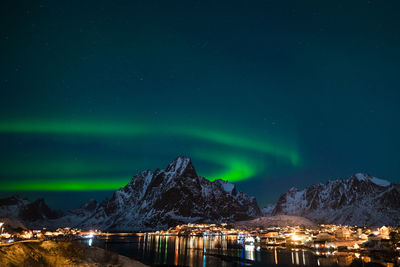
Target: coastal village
323 240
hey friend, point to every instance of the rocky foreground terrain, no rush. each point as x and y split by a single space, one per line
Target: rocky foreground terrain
61 253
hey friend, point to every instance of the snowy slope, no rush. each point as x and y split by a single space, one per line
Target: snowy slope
359 200
75 216
267 210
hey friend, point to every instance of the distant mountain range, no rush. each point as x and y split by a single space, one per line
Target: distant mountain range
176 194
361 200
16 207
17 213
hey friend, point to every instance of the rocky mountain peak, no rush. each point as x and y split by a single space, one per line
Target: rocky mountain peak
38 210
182 166
369 178
293 190
163 198
90 205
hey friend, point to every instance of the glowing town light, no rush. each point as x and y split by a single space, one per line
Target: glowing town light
296 237
89 235
249 240
6 235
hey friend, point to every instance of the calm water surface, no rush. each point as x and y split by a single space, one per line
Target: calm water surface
217 251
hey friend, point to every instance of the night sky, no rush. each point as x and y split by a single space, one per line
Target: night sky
265 94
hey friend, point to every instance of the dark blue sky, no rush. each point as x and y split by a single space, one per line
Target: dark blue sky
266 94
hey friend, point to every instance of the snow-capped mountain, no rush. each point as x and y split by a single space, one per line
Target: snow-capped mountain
155 200
359 200
27 212
75 216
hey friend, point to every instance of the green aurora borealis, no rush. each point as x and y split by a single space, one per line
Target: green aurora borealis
231 167
265 94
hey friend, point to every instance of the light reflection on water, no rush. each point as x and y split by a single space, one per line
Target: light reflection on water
215 251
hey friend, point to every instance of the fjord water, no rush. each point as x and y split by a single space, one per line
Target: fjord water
213 251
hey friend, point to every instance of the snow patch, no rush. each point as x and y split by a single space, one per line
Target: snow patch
377 181
361 177
380 182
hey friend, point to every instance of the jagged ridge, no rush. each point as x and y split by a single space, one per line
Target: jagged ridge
359 200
